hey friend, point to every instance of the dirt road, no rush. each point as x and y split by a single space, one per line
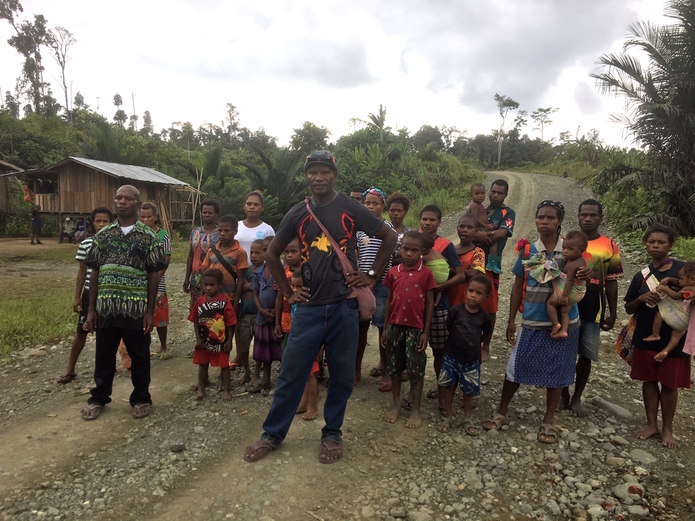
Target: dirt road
184 461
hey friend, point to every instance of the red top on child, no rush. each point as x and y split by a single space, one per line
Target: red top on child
417 280
212 317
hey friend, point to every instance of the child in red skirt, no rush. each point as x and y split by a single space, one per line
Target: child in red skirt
215 319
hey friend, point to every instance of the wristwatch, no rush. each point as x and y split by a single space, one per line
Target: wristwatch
372 274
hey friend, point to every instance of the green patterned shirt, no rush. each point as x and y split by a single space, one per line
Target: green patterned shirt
123 262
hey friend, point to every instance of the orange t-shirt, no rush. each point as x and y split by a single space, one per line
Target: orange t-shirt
236 257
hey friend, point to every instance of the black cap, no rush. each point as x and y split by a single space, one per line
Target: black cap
320 157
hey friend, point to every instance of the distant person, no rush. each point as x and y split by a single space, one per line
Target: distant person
150 216
126 258
398 205
36 224
599 307
79 234
200 241
326 311
101 217
68 230
356 194
503 217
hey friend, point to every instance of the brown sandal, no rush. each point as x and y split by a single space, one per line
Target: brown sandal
547 434
495 423
331 452
141 410
257 451
91 412
66 378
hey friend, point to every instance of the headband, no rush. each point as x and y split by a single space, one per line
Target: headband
555 204
374 191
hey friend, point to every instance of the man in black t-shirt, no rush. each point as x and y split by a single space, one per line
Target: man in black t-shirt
327 308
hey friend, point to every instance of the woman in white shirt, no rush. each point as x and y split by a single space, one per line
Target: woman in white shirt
252 228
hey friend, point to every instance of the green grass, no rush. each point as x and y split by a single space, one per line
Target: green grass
31 314
179 251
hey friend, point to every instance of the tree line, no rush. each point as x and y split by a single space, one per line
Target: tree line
653 181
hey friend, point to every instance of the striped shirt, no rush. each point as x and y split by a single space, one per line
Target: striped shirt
535 314
163 236
368 248
82 252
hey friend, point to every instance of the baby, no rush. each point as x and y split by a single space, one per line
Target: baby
567 289
477 210
676 316
437 263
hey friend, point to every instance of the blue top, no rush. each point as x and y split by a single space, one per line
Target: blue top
266 293
535 314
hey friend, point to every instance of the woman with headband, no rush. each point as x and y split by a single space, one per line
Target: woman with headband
375 201
537 359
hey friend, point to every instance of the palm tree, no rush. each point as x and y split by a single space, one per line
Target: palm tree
279 179
106 144
660 101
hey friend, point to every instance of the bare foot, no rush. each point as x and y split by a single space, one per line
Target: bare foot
226 397
244 378
660 356
556 329
414 421
652 338
646 432
559 335
578 410
303 406
200 394
311 413
392 415
667 439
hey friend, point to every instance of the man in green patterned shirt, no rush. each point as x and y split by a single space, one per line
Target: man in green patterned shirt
125 258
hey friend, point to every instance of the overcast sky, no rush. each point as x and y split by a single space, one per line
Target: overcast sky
435 62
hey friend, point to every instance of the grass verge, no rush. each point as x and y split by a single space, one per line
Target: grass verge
35 308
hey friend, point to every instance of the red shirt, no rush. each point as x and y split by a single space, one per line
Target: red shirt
212 317
286 318
408 289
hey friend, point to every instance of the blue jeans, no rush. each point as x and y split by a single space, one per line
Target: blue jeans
336 327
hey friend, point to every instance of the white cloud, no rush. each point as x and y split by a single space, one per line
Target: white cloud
434 62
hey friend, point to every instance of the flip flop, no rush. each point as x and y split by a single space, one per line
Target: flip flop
469 428
141 410
495 423
91 412
375 372
330 448
444 425
166 355
385 387
257 451
547 434
433 393
66 378
233 366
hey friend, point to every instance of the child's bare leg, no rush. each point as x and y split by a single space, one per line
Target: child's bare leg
447 394
382 357
77 347
415 419
468 402
656 328
202 381
675 338
312 393
551 306
256 372
395 412
266 374
224 382
493 249
162 333
303 403
564 322
246 377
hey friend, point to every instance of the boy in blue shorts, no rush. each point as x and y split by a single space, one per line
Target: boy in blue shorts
468 344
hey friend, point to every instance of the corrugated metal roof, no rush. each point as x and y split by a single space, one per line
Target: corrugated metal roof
136 173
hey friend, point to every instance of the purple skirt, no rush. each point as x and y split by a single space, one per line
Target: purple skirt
266 346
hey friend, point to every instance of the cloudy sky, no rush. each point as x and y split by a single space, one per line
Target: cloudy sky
436 62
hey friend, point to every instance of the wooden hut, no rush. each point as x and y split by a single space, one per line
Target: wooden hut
6 168
75 186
